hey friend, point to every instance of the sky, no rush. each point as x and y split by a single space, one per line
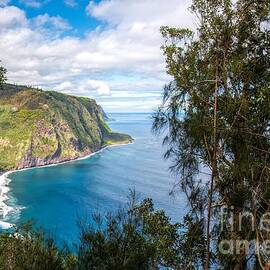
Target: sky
104 49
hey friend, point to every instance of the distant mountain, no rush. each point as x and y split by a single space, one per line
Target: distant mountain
46 127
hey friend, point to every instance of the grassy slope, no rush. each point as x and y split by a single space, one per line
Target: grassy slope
42 127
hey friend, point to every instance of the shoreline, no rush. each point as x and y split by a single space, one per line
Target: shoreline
5 209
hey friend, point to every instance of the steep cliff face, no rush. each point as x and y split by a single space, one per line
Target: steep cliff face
45 127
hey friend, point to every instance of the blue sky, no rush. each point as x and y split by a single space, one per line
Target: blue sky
107 49
73 11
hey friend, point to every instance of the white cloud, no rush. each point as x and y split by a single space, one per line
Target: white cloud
131 105
12 17
125 54
65 87
133 37
4 3
100 87
154 13
71 3
85 88
32 3
56 22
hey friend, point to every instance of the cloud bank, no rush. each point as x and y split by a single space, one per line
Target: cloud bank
121 55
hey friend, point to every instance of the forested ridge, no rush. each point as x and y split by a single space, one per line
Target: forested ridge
215 121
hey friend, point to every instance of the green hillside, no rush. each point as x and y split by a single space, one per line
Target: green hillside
45 127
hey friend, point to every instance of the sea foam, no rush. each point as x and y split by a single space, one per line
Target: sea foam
4 208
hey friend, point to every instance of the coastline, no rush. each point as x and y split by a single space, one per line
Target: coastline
5 209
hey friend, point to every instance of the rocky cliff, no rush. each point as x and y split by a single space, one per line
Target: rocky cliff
46 127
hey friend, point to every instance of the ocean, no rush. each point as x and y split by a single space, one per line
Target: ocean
56 198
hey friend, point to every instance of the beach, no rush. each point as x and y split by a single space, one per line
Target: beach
6 209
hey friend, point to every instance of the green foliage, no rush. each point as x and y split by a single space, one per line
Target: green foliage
112 138
31 250
136 237
42 127
230 56
3 76
119 246
15 132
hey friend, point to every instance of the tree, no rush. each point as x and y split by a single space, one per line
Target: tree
27 249
136 237
216 114
3 77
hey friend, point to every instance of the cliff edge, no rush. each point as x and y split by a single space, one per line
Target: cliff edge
46 127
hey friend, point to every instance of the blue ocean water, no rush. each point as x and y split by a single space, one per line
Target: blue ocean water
57 197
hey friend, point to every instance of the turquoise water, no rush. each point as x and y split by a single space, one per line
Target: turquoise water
57 197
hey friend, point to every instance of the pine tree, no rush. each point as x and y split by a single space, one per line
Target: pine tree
3 77
215 115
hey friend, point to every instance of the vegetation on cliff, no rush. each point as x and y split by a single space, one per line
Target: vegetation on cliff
135 238
43 127
216 119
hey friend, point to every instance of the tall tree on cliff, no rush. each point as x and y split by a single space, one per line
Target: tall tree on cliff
3 77
216 115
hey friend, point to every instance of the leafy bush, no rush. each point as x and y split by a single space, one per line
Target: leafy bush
136 237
